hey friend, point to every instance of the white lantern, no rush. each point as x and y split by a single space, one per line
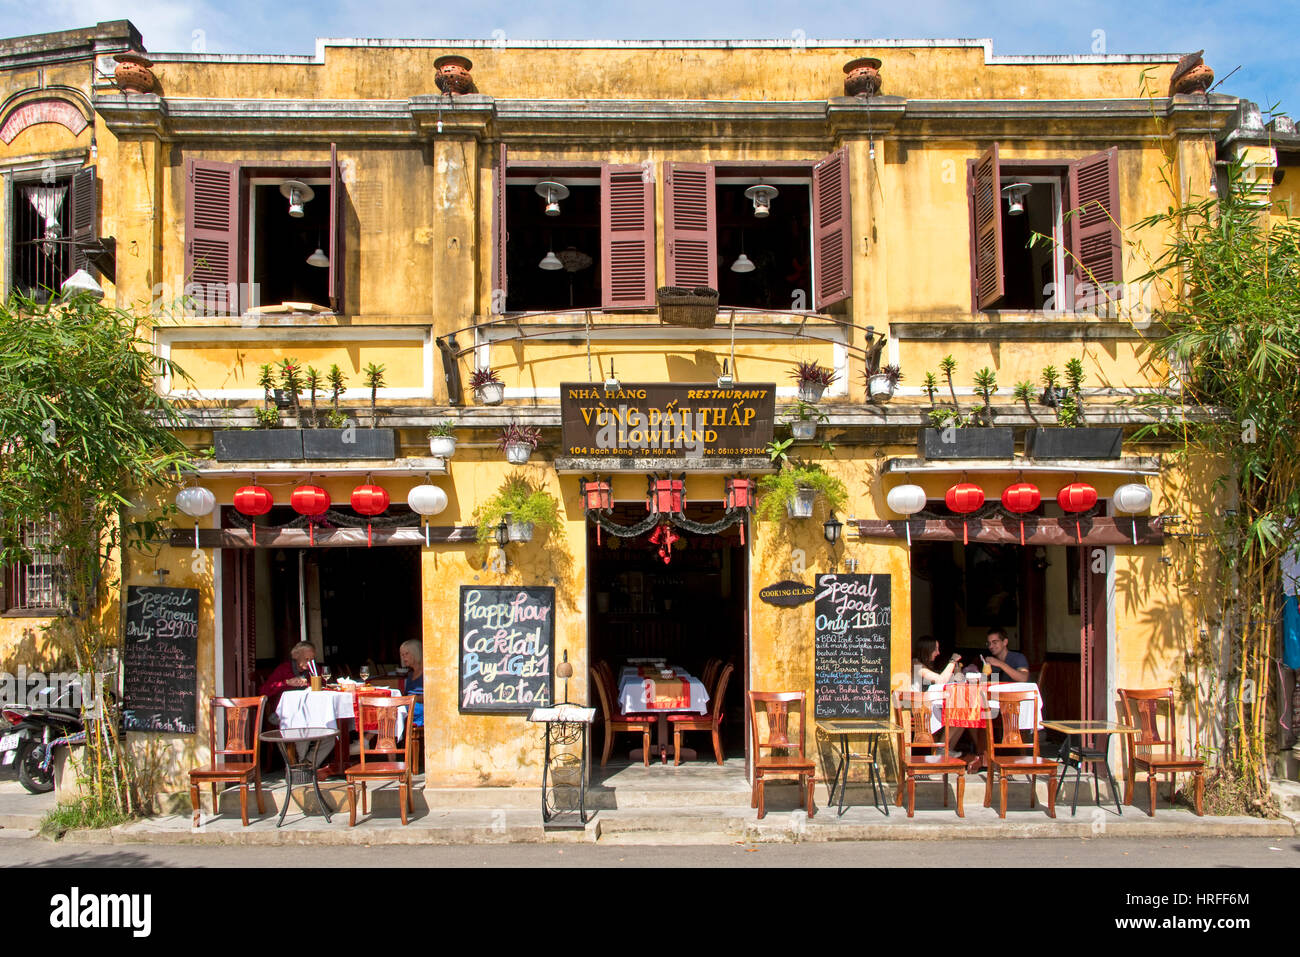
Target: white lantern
196 502
1131 499
906 500
426 500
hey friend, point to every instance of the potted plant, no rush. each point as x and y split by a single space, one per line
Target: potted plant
795 489
1071 439
313 383
344 440
337 383
950 435
442 439
881 385
488 387
518 442
522 505
1024 392
803 420
267 443
374 376
811 380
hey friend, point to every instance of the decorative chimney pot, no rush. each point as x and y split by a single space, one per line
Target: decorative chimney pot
132 73
862 77
453 75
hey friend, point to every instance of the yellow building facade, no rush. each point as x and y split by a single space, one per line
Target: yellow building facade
890 240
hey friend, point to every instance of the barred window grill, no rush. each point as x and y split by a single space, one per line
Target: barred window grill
39 583
42 224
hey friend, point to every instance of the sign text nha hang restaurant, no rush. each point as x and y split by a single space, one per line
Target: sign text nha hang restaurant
667 420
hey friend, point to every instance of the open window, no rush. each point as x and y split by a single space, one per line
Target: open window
1072 205
53 220
258 236
572 237
767 237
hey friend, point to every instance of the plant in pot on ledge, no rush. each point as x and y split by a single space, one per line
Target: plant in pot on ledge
803 420
811 380
795 488
522 505
518 442
442 439
267 443
1071 439
881 385
488 387
949 435
344 439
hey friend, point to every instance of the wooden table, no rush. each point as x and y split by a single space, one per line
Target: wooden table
634 698
1081 754
844 728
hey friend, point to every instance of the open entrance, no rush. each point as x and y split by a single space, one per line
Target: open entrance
689 611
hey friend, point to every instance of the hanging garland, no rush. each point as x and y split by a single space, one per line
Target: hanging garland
333 517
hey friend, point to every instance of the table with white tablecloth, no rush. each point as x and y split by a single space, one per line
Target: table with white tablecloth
305 708
934 698
640 693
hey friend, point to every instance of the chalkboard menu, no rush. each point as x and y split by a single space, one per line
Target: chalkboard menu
851 650
507 649
160 659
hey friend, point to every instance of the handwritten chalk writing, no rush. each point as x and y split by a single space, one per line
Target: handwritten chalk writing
160 681
506 648
852 621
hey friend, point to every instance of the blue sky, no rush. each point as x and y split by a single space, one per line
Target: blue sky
1258 37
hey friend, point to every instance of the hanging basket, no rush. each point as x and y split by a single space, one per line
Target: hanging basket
517 453
520 531
679 306
801 506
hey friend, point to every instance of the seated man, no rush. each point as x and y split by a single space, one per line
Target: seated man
412 658
292 675
1007 665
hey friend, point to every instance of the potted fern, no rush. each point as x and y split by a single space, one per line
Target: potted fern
811 380
803 420
518 442
794 490
488 387
442 439
1071 439
881 385
522 505
950 435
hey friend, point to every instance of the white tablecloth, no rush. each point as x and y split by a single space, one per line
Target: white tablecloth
305 708
1028 720
633 694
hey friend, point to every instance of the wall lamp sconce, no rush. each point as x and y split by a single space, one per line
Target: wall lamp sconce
611 381
831 529
1015 194
726 380
298 194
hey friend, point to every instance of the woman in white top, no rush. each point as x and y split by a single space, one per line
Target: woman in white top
925 651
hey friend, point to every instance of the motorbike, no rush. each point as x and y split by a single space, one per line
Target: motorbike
28 742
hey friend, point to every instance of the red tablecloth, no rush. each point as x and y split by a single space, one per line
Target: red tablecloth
963 705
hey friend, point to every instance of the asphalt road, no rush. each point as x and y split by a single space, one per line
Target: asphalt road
1038 853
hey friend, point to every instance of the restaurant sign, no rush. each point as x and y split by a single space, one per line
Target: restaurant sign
672 421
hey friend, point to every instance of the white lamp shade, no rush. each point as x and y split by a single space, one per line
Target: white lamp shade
742 264
906 499
550 262
82 281
318 258
1131 499
426 499
196 501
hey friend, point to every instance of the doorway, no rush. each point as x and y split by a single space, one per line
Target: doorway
687 610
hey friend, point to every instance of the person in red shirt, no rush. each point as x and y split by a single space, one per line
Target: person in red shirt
288 675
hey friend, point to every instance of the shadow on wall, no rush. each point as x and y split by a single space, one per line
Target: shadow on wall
36 647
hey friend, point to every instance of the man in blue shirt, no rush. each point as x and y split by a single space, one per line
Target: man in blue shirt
1011 665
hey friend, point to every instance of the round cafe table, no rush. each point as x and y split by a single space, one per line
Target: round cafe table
289 741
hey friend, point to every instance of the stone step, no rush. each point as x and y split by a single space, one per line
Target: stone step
1288 796
383 800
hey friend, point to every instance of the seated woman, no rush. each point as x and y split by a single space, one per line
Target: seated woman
412 658
925 651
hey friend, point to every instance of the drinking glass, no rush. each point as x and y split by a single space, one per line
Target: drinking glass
365 673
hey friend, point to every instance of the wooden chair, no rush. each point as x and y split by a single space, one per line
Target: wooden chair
616 722
1003 765
241 720
920 755
709 674
379 762
417 739
392 682
703 722
795 762
1154 750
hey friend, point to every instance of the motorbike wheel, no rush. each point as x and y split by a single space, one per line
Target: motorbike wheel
30 774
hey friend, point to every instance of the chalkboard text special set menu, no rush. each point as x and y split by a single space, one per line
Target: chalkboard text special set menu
852 646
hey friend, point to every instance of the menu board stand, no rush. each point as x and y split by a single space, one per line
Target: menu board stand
565 763
852 646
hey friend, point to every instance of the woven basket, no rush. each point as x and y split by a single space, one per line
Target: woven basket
679 306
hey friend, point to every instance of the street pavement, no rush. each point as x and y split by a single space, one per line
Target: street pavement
16 851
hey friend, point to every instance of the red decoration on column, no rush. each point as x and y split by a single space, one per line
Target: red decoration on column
1077 497
964 498
1021 498
666 496
596 497
312 501
369 500
253 500
741 493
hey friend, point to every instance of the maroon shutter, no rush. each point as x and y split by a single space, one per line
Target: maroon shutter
627 236
1094 219
690 225
212 235
832 225
986 226
85 215
337 226
497 303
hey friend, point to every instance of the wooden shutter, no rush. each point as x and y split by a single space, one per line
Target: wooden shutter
497 300
627 236
212 235
690 225
832 230
338 225
1094 223
85 215
986 228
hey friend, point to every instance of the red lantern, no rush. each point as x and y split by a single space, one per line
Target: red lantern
253 500
666 496
1021 498
596 497
312 501
369 500
1077 497
964 498
741 493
